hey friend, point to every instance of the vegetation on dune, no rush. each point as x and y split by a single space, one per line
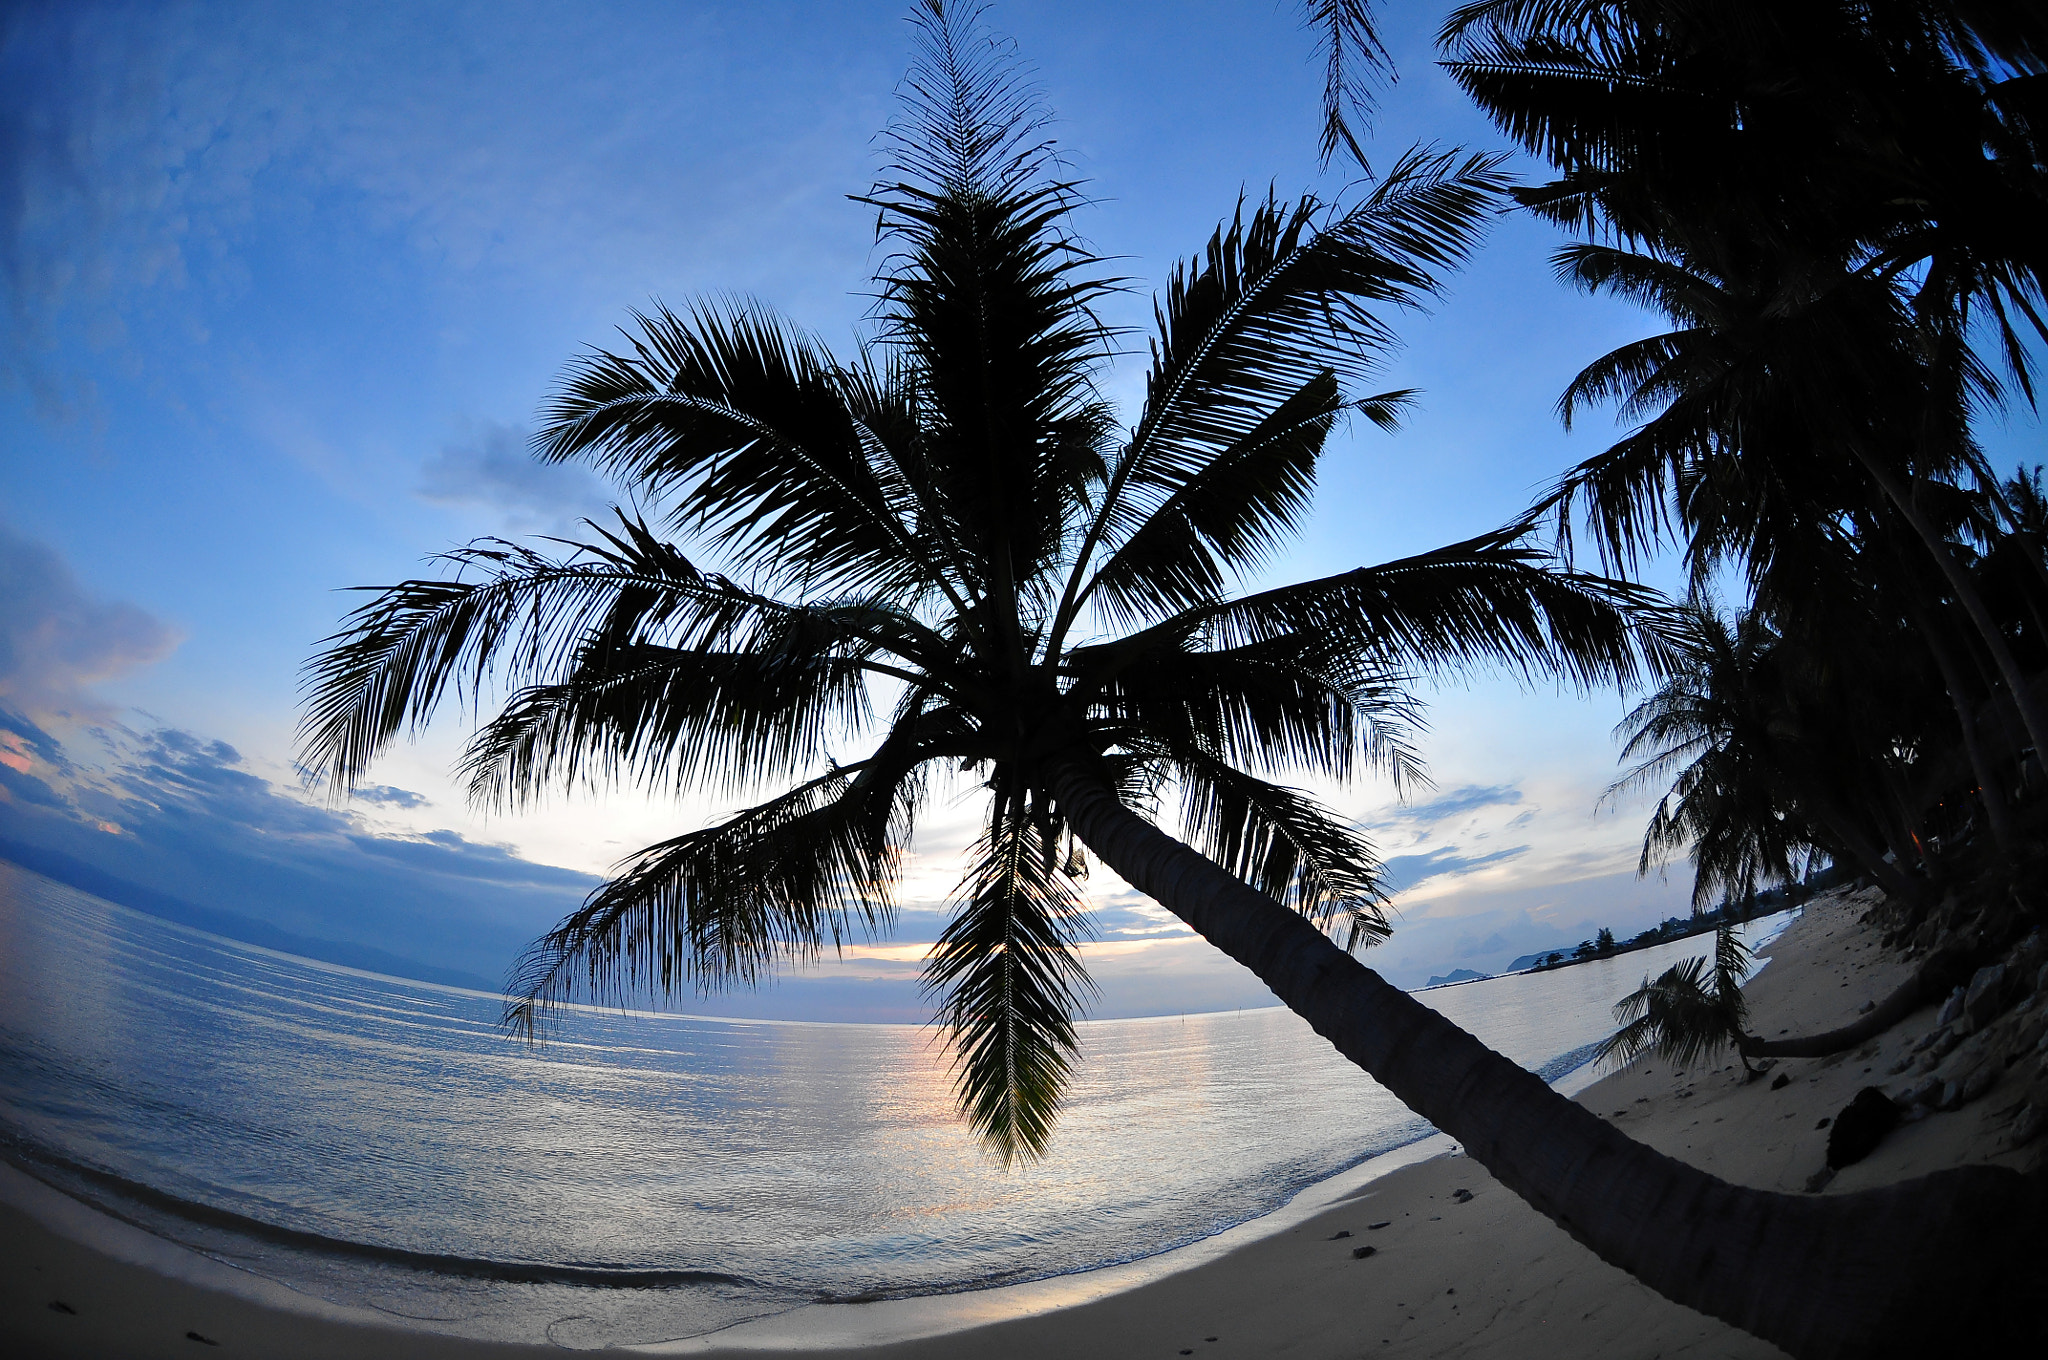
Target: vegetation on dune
946 554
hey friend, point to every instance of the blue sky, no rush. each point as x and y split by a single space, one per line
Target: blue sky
284 285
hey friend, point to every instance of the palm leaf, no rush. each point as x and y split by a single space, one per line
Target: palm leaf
1285 845
1280 298
741 422
717 908
1007 982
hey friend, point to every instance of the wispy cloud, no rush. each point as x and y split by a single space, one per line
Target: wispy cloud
57 640
384 795
1406 871
497 470
184 826
1457 802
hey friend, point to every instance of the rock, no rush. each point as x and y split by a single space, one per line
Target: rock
1783 1080
1360 1253
1818 1181
1866 1008
1823 1123
1340 1233
1987 996
1951 1009
1970 1084
2028 1126
1462 1196
1860 1127
1375 1227
1928 1040
1924 1092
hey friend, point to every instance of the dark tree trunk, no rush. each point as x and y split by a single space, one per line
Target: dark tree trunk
1972 600
1988 791
1939 1265
1841 827
1932 981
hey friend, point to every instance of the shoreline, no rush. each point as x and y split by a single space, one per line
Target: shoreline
1481 1277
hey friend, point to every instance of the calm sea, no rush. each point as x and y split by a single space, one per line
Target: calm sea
377 1141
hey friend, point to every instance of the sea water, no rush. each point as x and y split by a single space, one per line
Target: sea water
380 1142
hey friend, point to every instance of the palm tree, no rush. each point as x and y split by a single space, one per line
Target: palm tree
1827 198
955 513
1689 1013
1753 798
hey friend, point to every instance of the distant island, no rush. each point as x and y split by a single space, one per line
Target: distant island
1457 975
1604 946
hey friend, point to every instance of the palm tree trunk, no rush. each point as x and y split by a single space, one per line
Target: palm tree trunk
1897 1271
1973 603
1848 837
1988 791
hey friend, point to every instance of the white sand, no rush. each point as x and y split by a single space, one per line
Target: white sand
1488 1278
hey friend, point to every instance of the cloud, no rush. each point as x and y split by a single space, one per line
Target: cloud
1458 801
1405 871
185 827
57 640
497 471
385 796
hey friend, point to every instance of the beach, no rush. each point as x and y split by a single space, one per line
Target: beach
1448 1276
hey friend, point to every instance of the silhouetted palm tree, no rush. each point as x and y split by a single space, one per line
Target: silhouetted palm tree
1827 198
958 515
1689 1013
1752 795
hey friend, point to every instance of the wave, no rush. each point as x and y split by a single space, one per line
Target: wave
55 1169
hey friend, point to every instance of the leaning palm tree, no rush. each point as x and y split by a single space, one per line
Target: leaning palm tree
943 553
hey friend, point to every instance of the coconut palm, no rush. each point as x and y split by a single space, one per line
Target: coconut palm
943 554
1829 199
1692 1011
1765 772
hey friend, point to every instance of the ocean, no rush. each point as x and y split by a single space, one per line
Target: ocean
379 1142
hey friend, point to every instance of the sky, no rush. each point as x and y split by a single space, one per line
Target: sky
284 286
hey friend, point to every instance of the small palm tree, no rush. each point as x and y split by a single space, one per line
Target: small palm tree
1692 1011
952 530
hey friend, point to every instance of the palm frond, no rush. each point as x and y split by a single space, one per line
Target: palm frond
1280 297
1489 599
741 422
719 907
670 718
1290 702
1679 1016
1228 515
989 297
1008 983
396 658
1284 844
1353 63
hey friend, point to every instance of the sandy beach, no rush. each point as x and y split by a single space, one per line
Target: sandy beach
1482 1276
